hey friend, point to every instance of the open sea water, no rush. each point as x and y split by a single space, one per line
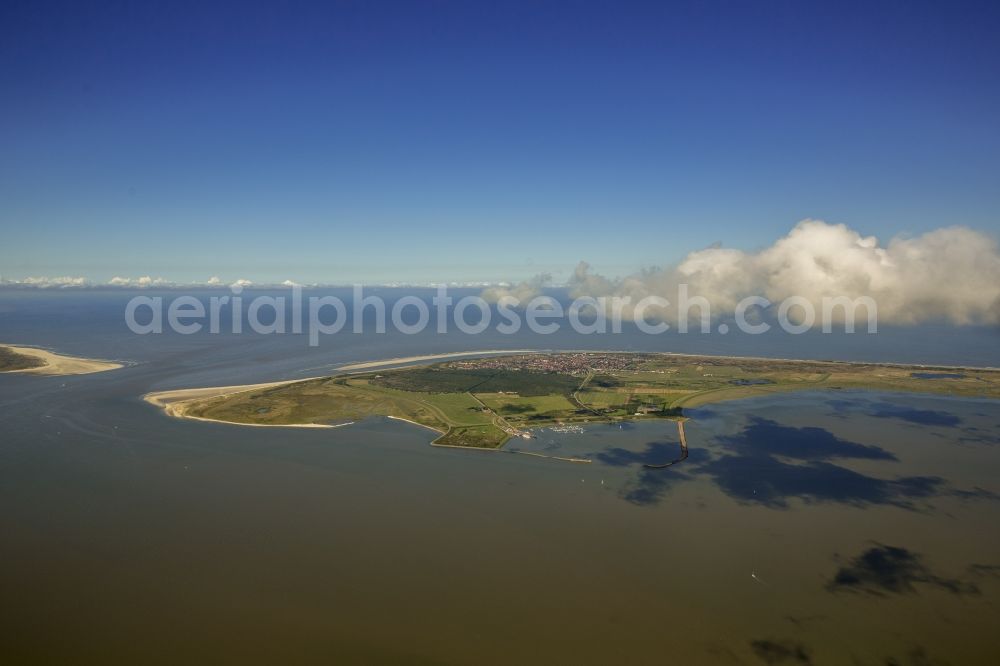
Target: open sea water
828 527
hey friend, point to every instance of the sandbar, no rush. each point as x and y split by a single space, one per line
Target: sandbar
58 364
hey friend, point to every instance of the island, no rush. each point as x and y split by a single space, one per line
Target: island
41 362
482 402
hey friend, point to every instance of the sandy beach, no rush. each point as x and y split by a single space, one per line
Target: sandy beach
57 364
432 357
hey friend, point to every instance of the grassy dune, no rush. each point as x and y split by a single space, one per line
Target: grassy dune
482 404
10 360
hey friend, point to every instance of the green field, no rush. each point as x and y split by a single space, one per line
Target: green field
443 379
513 405
482 403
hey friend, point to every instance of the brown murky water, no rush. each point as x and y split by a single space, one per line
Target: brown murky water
826 528
819 528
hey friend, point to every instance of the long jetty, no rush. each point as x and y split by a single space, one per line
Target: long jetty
684 449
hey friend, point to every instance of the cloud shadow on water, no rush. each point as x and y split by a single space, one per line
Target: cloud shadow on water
883 570
780 651
655 453
771 482
763 436
769 463
649 486
889 410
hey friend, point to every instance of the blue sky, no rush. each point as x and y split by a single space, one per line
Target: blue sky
459 140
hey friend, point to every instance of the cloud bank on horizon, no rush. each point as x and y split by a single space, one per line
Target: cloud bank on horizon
950 274
144 282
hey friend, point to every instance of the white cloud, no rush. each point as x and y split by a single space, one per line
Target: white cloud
46 282
523 291
951 273
141 283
